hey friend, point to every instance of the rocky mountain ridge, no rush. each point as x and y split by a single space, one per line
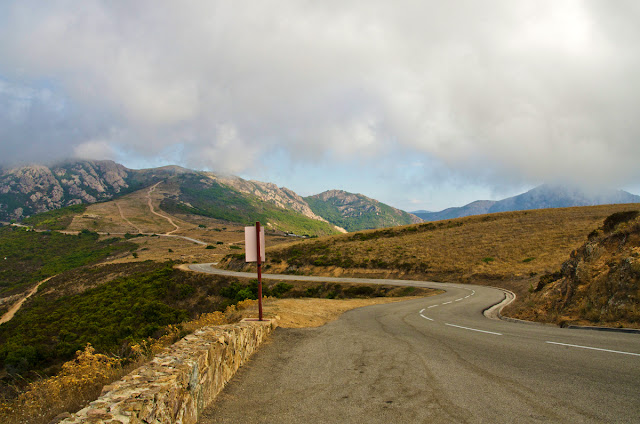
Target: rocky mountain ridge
29 190
269 192
33 189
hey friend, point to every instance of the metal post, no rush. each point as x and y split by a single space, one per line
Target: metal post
259 262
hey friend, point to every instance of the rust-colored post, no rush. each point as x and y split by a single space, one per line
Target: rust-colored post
259 262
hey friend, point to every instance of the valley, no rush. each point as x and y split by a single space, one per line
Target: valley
118 274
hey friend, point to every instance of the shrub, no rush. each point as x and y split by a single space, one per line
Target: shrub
613 220
281 288
360 291
210 247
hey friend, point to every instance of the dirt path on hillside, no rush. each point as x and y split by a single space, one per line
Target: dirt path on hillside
125 219
149 202
16 306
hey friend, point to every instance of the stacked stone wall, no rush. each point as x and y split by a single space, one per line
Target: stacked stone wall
180 382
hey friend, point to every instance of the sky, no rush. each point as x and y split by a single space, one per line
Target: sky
419 104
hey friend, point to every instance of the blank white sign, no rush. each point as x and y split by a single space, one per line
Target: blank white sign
250 250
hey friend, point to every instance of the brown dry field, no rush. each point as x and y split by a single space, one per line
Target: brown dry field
131 214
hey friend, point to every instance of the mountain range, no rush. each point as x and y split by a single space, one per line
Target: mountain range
29 190
541 197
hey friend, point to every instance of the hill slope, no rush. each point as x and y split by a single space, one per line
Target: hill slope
355 212
206 195
510 249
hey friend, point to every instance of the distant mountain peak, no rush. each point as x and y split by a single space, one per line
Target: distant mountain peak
562 196
541 197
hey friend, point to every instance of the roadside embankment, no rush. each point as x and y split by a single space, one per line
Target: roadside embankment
180 382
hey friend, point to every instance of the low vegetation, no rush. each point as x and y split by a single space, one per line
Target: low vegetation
121 311
57 219
29 256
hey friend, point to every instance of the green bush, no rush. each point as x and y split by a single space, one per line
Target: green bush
47 332
33 256
281 288
613 220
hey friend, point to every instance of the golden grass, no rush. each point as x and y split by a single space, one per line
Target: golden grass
313 312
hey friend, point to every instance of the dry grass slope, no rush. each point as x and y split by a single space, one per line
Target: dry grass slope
510 249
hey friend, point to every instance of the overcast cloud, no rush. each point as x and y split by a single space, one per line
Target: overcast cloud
498 92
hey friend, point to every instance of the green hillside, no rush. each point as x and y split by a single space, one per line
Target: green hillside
355 212
29 256
203 196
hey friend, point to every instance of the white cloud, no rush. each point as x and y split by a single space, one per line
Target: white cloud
523 91
94 149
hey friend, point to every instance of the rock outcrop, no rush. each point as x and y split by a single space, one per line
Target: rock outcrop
271 193
599 284
33 189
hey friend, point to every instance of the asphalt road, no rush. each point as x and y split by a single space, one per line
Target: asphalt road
434 360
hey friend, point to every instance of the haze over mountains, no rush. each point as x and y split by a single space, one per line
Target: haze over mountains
29 190
541 197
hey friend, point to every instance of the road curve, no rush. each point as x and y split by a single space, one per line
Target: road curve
436 359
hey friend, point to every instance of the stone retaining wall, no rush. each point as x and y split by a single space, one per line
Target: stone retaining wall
180 382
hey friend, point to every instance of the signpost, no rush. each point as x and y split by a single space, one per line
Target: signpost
254 252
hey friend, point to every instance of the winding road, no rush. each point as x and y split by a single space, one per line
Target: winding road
435 360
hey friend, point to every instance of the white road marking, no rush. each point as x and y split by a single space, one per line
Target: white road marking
473 329
446 303
426 317
422 310
458 300
432 306
467 296
595 348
